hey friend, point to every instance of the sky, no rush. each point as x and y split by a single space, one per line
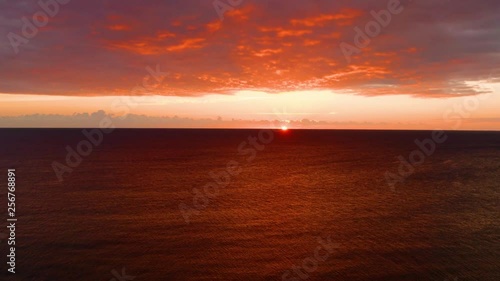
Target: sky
385 64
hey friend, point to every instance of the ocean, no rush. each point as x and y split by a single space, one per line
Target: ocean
295 205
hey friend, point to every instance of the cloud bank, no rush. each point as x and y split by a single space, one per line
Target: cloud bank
99 48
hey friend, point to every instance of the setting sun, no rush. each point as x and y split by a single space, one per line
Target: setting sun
284 128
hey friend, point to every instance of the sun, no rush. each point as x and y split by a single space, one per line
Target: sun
284 128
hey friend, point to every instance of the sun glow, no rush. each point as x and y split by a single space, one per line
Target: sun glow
284 128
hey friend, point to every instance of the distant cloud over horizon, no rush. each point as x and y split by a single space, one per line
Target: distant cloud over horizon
102 48
96 119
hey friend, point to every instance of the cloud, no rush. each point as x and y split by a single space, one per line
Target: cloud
92 120
431 49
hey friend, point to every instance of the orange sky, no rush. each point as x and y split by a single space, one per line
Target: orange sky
263 61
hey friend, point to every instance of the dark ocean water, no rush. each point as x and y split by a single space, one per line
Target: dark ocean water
118 211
